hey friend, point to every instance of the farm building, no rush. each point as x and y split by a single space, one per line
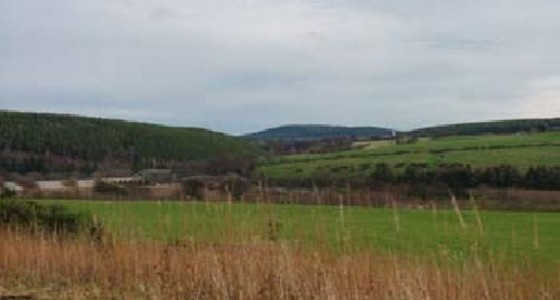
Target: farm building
63 188
51 186
13 187
122 180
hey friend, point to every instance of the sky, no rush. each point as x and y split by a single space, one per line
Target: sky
239 66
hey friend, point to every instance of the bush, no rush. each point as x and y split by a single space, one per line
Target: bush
109 188
57 219
6 193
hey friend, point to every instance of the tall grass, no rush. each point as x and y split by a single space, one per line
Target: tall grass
133 269
245 261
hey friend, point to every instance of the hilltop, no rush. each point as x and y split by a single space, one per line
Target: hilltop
312 132
48 143
490 127
318 132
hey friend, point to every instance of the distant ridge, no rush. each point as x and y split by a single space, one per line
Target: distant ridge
311 132
490 127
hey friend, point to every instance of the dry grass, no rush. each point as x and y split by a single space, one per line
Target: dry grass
129 269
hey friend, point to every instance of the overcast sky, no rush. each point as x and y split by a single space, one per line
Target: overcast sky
243 65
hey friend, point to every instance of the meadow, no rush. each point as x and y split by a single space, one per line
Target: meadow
482 151
203 250
522 236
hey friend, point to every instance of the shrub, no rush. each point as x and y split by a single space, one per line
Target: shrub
28 215
6 193
109 188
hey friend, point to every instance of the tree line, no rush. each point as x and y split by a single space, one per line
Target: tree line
495 127
457 177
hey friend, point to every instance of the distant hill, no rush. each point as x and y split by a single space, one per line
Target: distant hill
317 132
500 160
64 143
491 127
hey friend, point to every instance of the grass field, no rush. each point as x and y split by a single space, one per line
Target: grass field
194 250
507 235
478 151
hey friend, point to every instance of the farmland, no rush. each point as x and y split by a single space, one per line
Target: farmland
194 250
260 249
521 151
508 235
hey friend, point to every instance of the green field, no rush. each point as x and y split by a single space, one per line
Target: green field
478 151
501 235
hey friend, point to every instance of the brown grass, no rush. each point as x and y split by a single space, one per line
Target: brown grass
79 269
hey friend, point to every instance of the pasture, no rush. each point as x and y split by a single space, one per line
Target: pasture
521 151
198 250
519 236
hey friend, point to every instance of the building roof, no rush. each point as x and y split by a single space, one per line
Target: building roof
51 185
85 183
120 179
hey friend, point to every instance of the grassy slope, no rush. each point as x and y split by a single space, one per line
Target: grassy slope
506 235
521 151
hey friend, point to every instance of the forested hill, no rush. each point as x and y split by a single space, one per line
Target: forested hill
492 127
317 132
53 142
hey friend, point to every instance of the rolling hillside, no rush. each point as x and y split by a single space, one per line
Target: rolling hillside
317 132
490 127
64 143
477 152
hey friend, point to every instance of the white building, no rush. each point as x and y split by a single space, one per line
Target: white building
14 187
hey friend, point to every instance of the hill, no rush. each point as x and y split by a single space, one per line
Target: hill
491 127
318 132
64 143
425 157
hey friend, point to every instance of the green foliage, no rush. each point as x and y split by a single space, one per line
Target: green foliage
194 189
103 187
382 173
63 143
479 152
421 231
6 193
495 127
22 214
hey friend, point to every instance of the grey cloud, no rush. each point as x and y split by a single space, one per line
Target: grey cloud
241 65
446 43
